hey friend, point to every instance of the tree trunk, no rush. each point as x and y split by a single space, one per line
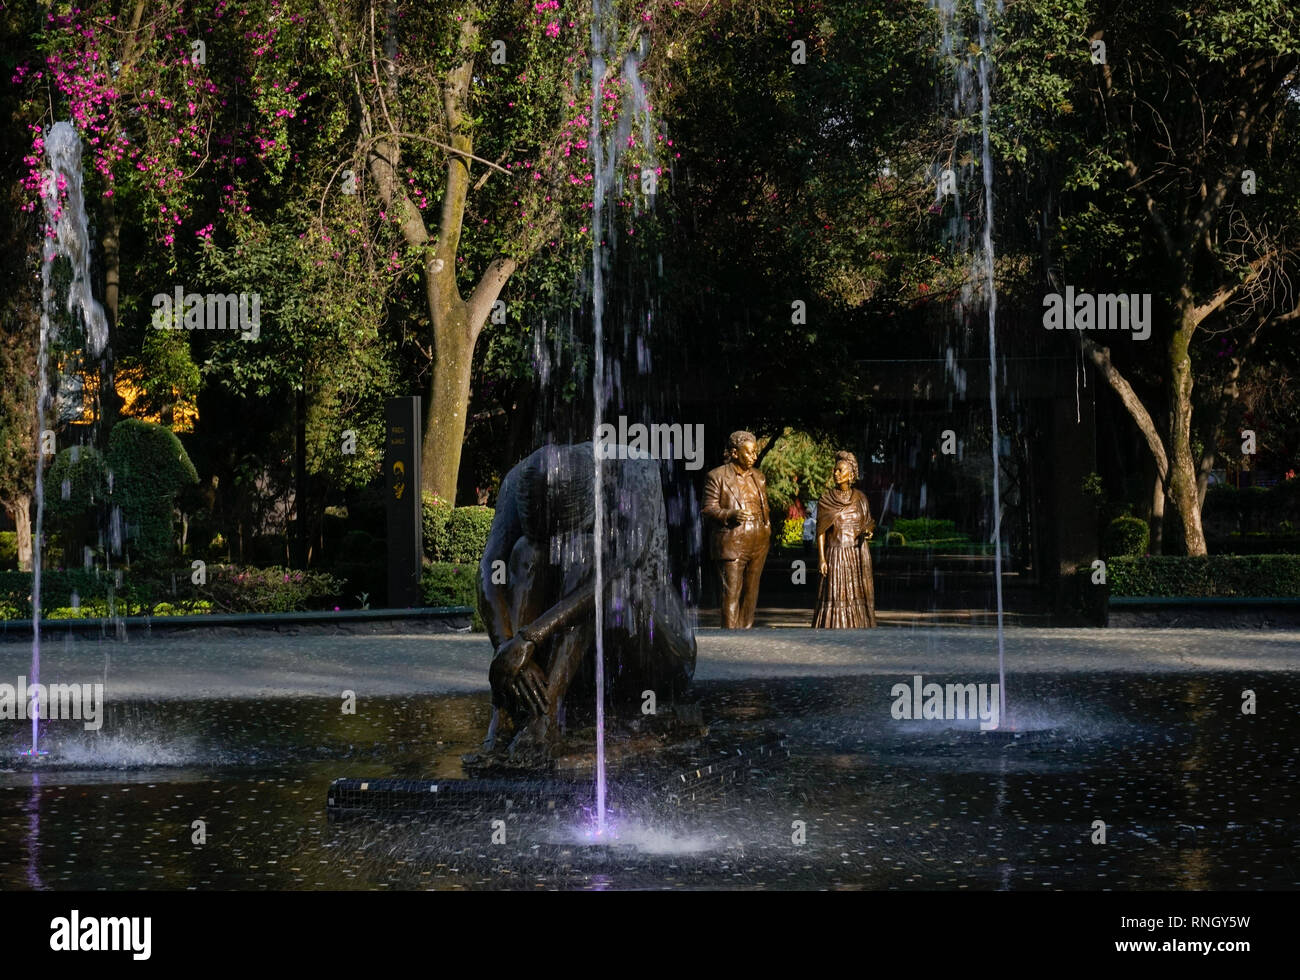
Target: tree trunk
1158 493
110 405
1182 467
300 502
444 417
22 512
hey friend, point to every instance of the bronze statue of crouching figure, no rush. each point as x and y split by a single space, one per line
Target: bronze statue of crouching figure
537 597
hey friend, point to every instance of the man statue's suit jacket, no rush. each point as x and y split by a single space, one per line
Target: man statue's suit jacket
722 494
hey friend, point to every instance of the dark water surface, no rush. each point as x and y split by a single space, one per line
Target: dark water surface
1194 795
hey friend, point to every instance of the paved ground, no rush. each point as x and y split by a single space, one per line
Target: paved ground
255 663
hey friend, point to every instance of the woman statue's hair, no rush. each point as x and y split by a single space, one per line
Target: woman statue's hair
844 456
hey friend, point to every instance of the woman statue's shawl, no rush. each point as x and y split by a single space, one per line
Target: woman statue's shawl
829 508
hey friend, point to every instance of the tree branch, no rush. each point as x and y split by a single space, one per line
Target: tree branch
1199 313
1100 356
486 292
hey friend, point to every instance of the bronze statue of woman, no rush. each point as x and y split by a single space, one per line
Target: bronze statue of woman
846 598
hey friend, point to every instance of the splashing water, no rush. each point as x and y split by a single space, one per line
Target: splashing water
67 235
979 65
635 835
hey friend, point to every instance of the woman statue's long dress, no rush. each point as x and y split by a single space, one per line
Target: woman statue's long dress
847 596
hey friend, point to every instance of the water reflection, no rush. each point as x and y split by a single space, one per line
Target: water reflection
34 834
1192 798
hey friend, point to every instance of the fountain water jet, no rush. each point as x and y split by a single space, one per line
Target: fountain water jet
606 148
67 236
982 265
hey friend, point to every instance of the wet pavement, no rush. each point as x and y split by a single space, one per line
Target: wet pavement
1141 730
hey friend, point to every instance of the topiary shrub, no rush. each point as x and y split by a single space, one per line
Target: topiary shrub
467 534
76 500
77 481
1126 537
147 466
895 539
434 514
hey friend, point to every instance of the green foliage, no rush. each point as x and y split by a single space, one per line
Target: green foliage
824 166
19 306
8 550
467 534
1126 537
895 539
447 584
1091 145
168 374
434 514
1093 488
149 466
320 334
1263 576
798 467
243 589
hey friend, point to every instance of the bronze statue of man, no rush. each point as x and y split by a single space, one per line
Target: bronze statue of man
735 500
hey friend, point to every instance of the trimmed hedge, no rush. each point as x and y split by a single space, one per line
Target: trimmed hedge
467 534
454 534
1212 576
229 588
446 583
927 529
434 513
56 590
1126 537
